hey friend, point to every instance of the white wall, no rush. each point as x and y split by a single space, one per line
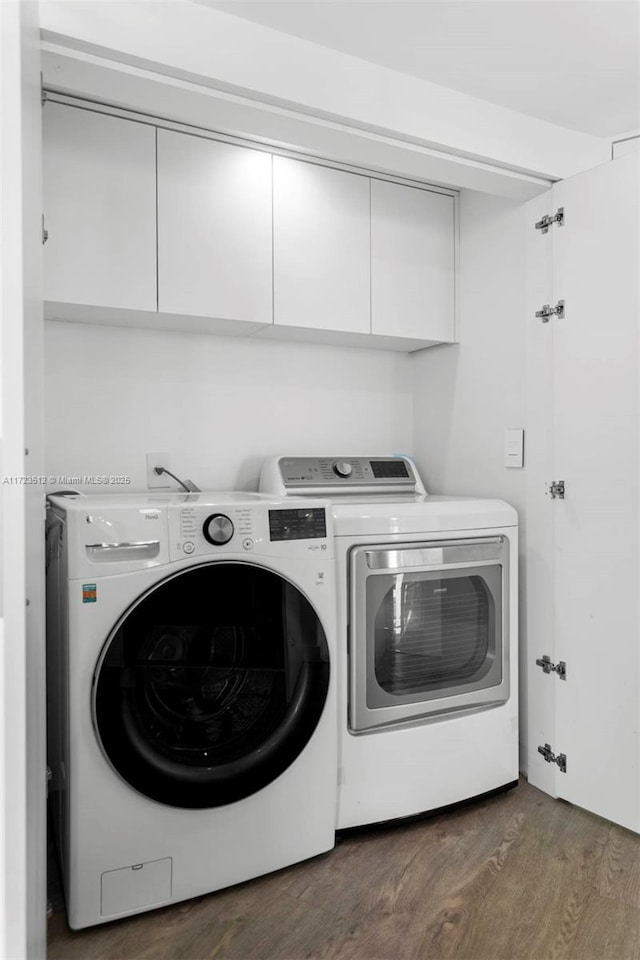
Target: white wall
218 405
468 394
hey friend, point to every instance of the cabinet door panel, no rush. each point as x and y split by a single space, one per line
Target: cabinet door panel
321 247
100 209
595 439
412 262
214 229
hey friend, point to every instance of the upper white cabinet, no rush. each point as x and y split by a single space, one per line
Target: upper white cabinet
100 209
214 229
155 227
412 262
321 264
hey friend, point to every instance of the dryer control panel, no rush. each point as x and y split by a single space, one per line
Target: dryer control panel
330 476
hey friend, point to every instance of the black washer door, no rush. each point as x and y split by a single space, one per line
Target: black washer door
211 685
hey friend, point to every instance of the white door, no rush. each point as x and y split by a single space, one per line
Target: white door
22 651
594 442
214 230
412 262
100 209
321 261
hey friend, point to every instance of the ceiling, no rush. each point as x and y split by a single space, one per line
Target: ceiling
571 63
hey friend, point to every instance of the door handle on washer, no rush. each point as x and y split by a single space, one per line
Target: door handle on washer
125 550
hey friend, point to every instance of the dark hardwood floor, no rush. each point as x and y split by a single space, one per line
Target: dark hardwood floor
514 877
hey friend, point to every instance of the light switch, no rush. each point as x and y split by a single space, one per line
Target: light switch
513 448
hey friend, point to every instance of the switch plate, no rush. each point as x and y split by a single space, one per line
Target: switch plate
158 481
513 448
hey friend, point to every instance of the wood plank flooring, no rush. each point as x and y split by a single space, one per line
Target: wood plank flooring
514 877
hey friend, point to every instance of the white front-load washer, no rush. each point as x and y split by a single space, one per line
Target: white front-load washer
192 710
427 636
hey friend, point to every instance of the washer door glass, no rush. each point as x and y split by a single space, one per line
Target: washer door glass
211 685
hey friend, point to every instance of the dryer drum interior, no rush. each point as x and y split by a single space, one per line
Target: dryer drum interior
211 685
434 634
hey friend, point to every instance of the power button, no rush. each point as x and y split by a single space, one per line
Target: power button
188 547
247 543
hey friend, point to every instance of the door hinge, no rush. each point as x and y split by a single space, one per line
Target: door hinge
43 92
549 311
556 489
548 667
547 220
550 757
45 232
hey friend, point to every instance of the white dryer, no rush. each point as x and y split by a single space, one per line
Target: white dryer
192 709
427 636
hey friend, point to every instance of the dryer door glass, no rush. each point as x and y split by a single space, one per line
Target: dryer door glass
211 685
433 634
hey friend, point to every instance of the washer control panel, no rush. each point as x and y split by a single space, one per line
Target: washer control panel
202 528
305 524
218 529
261 526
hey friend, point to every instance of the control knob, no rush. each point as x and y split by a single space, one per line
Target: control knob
218 529
343 468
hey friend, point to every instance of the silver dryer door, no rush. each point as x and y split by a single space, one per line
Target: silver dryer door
428 630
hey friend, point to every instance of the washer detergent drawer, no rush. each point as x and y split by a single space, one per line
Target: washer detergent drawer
136 887
429 630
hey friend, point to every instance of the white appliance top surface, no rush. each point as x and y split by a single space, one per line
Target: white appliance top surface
418 514
143 500
356 500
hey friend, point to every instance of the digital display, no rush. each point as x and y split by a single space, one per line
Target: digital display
306 524
389 469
